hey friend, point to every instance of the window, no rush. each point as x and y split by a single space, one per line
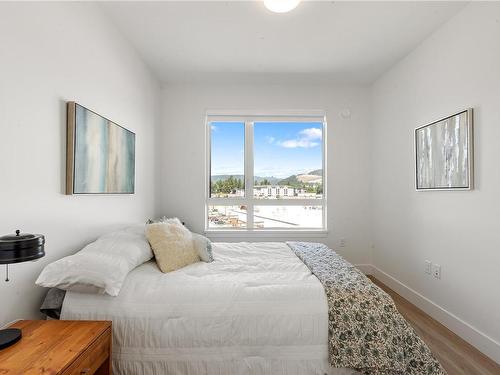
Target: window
266 172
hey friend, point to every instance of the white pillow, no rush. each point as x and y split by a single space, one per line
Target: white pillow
204 247
101 266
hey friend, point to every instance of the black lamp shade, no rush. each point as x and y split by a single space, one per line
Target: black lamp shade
21 247
17 248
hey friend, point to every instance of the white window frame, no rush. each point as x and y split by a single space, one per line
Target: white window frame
249 118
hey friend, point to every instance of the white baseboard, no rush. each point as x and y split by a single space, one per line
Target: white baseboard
472 335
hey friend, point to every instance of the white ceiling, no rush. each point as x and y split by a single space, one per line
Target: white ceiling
345 42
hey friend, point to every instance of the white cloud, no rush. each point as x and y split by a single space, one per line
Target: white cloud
306 138
311 133
295 143
213 128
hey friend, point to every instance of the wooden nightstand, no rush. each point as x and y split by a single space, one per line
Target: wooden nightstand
53 347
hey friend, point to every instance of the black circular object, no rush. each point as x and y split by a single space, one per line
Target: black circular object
9 337
21 247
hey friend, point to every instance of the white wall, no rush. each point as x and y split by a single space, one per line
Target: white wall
50 54
182 150
456 68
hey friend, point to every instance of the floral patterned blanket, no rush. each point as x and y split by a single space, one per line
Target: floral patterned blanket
365 330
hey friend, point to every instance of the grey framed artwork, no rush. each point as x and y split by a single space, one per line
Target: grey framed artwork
100 155
444 153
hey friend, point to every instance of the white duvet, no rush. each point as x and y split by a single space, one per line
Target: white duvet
256 309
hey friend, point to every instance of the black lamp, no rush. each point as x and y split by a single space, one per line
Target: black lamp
17 248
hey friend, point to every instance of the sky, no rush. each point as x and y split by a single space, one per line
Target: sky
281 149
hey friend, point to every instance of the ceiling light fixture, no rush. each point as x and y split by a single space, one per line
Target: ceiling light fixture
281 6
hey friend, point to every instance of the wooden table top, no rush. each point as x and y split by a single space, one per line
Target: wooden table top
49 344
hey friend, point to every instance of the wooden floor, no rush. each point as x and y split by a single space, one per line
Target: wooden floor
457 356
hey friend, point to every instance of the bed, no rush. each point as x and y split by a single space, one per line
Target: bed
257 309
294 308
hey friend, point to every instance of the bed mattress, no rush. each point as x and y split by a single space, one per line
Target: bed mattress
256 309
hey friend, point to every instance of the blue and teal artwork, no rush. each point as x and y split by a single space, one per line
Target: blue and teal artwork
104 155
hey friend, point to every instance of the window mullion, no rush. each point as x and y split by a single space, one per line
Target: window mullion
249 172
208 161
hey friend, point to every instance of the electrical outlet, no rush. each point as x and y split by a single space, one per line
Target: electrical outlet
436 271
428 267
342 242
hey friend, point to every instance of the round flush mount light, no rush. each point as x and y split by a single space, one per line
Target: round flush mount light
281 6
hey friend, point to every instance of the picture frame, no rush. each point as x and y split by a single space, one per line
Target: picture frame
100 154
444 153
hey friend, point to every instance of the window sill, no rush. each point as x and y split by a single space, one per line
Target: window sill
320 233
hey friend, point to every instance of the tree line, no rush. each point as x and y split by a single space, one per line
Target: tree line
227 186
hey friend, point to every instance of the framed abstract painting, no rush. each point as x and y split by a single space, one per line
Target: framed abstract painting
100 154
444 153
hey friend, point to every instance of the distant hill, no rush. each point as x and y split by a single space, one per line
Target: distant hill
219 177
313 177
310 178
317 172
292 180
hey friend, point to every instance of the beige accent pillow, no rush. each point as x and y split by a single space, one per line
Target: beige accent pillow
172 244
